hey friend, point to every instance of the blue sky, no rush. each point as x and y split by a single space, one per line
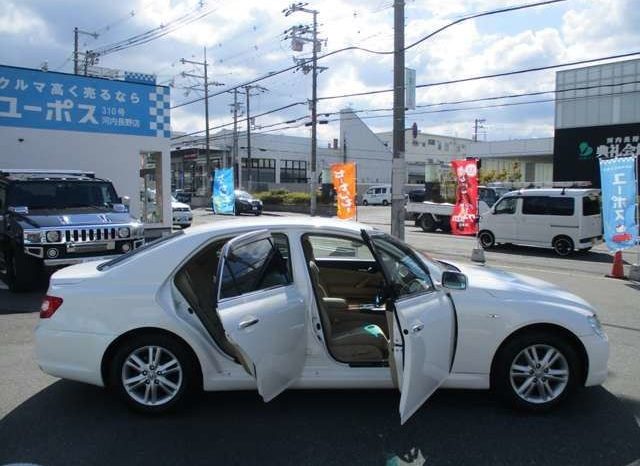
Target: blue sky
245 41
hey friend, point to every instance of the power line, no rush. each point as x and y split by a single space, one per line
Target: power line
487 76
449 110
450 82
377 52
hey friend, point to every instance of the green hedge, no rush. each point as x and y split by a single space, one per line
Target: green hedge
283 197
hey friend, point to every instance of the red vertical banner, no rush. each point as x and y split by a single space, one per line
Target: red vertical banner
343 176
465 212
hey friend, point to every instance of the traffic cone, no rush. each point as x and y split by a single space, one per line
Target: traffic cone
617 271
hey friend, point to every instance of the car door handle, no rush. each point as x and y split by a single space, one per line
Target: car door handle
417 328
248 323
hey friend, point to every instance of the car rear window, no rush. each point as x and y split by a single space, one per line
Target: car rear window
145 247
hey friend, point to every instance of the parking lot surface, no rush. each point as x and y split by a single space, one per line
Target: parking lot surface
47 421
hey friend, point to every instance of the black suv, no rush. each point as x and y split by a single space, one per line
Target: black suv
55 218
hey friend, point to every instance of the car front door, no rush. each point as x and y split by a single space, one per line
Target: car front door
262 312
423 331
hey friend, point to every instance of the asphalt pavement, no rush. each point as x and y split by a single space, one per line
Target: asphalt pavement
47 421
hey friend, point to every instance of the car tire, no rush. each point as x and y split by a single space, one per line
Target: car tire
521 379
173 385
427 223
563 246
365 203
24 273
385 202
486 238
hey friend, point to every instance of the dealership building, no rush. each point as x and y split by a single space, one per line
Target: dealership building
597 116
117 128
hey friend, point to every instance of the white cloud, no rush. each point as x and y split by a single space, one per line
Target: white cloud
16 19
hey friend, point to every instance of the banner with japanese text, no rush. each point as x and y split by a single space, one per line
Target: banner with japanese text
223 198
465 212
343 176
619 198
59 101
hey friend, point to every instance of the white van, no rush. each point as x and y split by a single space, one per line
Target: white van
561 218
380 194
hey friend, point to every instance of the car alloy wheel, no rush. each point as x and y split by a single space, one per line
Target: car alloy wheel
539 374
152 375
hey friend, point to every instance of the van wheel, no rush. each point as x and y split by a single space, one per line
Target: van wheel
365 203
563 246
487 240
385 202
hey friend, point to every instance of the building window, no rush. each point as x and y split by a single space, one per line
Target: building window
262 170
431 142
293 171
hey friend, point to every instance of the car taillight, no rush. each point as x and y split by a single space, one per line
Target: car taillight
50 304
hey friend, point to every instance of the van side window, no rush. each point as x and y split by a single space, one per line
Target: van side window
591 205
561 206
535 205
506 206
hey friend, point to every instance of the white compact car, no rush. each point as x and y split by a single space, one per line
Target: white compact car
312 303
182 215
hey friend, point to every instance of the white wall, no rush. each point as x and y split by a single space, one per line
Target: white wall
112 156
372 157
515 148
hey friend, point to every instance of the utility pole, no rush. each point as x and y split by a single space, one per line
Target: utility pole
248 97
76 52
297 42
234 157
206 84
478 124
398 170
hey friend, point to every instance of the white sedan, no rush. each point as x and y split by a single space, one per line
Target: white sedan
312 303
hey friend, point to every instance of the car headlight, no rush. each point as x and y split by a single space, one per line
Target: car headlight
597 326
53 236
33 237
123 232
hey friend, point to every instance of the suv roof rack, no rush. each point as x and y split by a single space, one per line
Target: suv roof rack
28 171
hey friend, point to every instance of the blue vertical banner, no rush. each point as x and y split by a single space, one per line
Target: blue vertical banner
223 198
619 202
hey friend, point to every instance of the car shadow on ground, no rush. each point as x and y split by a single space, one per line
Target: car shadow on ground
590 256
70 423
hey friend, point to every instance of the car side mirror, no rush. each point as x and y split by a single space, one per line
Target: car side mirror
454 280
125 200
120 208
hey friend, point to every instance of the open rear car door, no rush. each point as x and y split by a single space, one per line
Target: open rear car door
424 324
262 312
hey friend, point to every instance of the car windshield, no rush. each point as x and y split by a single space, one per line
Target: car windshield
145 247
242 195
62 194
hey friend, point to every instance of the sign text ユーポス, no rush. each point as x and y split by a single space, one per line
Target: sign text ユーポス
58 101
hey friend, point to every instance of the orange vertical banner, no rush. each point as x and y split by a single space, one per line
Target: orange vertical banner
343 176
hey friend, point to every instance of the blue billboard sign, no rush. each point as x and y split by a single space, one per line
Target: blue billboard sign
223 198
45 100
619 184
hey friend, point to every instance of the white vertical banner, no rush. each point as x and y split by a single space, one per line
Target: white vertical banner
410 88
